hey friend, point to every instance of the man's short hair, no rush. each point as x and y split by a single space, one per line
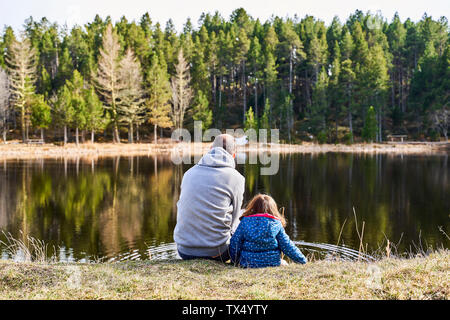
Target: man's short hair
225 141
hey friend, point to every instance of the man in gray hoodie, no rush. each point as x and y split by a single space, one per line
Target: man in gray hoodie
210 203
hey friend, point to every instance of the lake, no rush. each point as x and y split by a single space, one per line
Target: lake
125 208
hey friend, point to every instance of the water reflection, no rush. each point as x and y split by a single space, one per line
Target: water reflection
125 207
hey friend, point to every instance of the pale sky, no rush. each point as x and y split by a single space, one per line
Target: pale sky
14 12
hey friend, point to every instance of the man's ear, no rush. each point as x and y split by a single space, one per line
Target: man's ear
234 155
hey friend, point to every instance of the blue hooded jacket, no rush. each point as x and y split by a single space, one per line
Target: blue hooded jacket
259 241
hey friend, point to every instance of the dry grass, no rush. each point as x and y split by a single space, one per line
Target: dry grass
16 150
390 278
27 249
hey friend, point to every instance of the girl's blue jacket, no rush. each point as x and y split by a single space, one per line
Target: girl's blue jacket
259 240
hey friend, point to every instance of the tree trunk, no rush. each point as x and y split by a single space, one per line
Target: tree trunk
350 124
380 137
214 89
256 96
130 133
290 73
77 141
219 120
92 136
291 106
137 133
42 134
116 133
22 120
65 135
244 86
155 139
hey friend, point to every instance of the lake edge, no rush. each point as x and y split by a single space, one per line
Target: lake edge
419 277
20 151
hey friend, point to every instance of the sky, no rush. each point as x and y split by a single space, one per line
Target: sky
14 12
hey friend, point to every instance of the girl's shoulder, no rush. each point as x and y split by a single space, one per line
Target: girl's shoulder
263 215
262 218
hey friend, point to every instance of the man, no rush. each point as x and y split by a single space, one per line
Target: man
210 203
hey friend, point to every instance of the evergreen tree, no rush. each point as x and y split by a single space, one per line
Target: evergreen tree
369 131
256 66
264 122
319 107
61 104
201 111
250 121
131 107
4 103
78 108
40 114
159 95
96 119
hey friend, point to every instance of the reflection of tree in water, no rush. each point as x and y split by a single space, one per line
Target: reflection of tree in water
109 209
392 194
140 206
113 205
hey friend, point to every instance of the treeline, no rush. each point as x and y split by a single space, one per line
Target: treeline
365 78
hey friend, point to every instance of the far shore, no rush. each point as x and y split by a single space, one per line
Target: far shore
16 150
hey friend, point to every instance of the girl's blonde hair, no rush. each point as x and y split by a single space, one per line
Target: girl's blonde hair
263 203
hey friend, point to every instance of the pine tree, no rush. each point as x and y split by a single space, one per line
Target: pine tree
201 110
256 65
61 104
369 131
65 68
347 79
131 107
22 74
77 109
107 80
291 47
40 113
271 78
250 120
95 118
159 95
242 47
4 103
181 91
264 122
319 107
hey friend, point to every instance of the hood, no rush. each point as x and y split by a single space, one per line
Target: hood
217 157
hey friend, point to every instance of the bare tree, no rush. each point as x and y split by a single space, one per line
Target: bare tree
108 80
181 91
131 105
4 102
22 69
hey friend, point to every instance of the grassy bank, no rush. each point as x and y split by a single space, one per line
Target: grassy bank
390 278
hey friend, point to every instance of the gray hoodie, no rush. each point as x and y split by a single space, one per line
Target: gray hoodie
209 206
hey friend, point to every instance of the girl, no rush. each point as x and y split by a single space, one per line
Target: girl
260 237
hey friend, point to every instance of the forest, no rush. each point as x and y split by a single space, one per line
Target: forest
362 79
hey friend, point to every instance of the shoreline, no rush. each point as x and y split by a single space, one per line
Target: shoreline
418 278
19 151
